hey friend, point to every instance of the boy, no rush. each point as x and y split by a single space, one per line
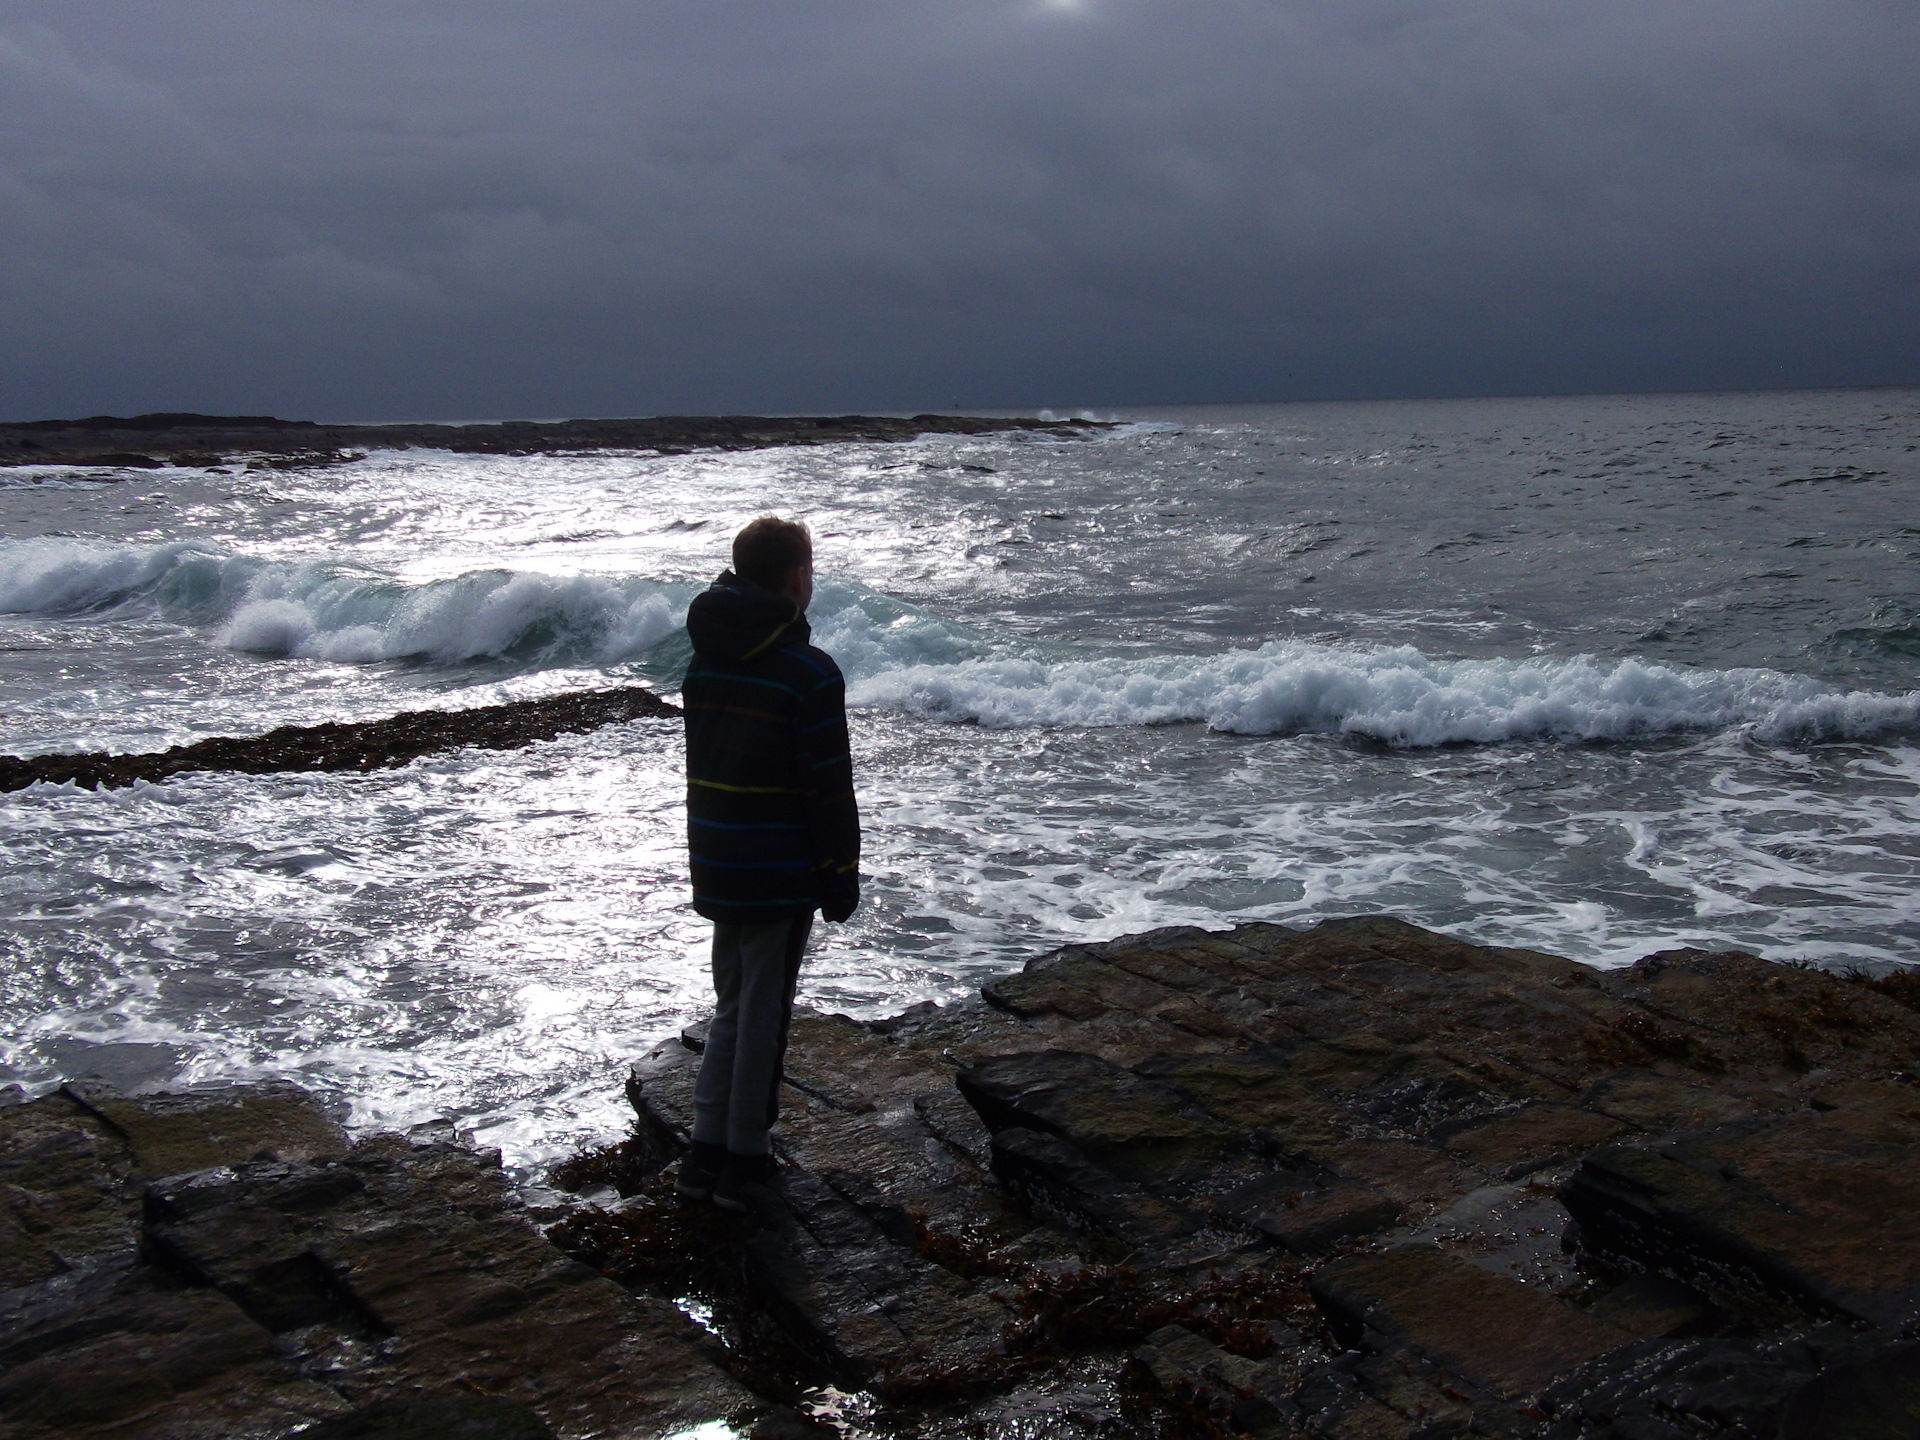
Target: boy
772 830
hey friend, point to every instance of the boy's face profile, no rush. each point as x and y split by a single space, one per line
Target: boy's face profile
799 588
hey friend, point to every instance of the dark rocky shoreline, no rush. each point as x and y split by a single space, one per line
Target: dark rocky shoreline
1358 1181
361 745
150 441
224 1263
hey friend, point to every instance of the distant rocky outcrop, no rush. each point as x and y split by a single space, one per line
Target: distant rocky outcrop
149 441
364 745
1358 1181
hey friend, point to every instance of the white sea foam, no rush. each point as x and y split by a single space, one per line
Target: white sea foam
902 658
1396 695
481 934
540 619
323 610
48 576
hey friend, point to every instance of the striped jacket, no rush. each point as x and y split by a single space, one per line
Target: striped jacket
772 828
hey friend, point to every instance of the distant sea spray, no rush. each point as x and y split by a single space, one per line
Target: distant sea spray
902 658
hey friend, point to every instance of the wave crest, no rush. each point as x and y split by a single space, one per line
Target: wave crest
326 611
1398 695
537 619
898 657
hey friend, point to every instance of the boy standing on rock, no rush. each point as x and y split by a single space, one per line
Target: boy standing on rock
772 831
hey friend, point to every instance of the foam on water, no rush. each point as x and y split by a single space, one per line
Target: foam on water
48 576
1160 643
492 936
1395 694
325 611
384 954
544 620
904 658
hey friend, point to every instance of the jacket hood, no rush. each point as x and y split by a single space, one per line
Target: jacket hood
735 619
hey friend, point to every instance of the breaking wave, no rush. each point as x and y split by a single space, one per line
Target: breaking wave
321 610
1398 696
901 658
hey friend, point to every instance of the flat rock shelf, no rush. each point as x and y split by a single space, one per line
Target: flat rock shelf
1360 1180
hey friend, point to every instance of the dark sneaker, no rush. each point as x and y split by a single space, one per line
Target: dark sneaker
699 1168
739 1177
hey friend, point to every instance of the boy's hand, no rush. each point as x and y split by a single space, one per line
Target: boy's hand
841 898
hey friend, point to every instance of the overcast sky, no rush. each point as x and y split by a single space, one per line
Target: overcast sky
387 209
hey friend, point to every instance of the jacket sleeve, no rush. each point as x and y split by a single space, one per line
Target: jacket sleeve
826 784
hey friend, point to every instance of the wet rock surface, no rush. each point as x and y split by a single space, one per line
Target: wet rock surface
1359 1180
362 746
1820 1210
1363 1180
287 1279
149 441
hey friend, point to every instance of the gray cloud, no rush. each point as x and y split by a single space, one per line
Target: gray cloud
490 207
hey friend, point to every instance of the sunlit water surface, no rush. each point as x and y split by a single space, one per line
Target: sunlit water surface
1593 676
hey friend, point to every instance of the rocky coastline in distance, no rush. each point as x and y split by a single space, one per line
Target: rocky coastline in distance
151 441
1362 1180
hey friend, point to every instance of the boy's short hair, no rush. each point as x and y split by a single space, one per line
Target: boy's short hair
769 548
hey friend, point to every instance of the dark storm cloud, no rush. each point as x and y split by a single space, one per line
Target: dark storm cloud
478 207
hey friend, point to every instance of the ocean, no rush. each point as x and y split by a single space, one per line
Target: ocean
1598 676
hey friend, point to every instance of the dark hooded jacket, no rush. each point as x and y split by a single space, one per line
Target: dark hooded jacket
772 828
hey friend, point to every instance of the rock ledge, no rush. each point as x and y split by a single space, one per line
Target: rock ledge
1363 1180
1358 1181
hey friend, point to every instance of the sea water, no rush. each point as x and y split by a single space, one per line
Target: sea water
1597 676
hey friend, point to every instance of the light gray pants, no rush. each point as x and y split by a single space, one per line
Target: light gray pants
737 1095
